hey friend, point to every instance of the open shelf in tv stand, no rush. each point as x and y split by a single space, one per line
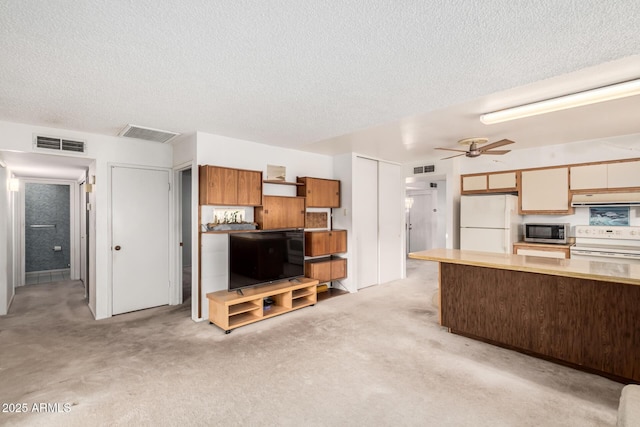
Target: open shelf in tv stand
230 310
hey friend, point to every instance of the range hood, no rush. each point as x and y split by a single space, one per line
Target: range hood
606 199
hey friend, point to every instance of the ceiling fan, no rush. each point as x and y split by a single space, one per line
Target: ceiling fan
475 151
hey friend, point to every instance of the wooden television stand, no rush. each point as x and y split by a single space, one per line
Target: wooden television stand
230 310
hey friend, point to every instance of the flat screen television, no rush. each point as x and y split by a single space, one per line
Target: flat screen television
258 258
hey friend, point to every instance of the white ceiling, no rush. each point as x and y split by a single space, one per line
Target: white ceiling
386 79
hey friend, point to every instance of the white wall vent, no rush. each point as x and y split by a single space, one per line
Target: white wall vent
148 134
54 143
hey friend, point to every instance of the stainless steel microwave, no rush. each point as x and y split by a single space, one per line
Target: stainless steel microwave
546 233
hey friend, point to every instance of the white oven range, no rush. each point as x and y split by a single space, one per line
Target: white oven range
607 244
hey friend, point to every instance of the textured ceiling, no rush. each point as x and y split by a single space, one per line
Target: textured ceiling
319 76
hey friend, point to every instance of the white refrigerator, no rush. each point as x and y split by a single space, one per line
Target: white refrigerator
489 223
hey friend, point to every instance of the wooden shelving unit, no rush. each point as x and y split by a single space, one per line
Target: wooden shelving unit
230 310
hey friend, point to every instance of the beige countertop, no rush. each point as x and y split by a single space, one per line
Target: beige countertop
592 270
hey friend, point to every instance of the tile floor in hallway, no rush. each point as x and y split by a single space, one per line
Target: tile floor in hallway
39 277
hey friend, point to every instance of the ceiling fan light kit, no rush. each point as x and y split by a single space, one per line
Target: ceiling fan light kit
592 96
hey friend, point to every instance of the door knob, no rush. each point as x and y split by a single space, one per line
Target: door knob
117 248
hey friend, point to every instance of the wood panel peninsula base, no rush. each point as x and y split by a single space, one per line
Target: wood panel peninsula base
579 313
230 310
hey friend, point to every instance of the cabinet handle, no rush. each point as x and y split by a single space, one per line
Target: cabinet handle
266 211
308 191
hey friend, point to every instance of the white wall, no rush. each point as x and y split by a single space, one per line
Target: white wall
235 153
7 285
343 217
106 150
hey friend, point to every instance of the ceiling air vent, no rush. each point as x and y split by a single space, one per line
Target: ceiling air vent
42 142
424 169
148 134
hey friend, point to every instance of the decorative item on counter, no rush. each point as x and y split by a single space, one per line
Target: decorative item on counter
229 219
276 173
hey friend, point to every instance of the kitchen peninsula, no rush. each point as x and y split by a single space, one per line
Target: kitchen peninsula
581 313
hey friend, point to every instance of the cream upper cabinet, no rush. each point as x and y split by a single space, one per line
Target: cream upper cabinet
505 180
474 183
588 177
494 182
545 191
623 174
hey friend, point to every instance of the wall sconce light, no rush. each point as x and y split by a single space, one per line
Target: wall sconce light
593 96
14 184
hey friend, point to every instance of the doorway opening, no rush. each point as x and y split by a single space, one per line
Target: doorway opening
185 232
425 211
47 234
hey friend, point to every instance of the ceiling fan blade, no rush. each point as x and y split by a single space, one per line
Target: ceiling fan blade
451 149
457 155
496 144
496 152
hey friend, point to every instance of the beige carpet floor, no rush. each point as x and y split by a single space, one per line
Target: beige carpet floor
375 358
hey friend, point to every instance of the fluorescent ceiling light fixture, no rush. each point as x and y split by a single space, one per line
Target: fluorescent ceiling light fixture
592 96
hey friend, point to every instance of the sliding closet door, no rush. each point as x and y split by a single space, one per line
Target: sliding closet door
365 206
390 221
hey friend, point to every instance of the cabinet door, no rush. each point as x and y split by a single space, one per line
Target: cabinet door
545 191
542 253
319 270
502 181
222 186
588 177
322 193
249 188
338 269
295 212
474 183
316 243
623 174
337 241
280 212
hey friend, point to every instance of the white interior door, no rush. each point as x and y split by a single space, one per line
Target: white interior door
390 224
422 221
365 200
140 238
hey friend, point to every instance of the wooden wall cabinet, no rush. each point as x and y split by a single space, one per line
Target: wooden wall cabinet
320 192
498 182
326 269
320 243
545 191
279 212
231 187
